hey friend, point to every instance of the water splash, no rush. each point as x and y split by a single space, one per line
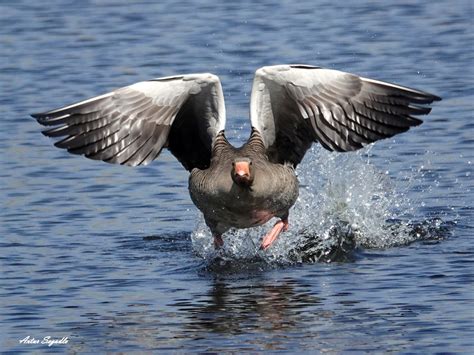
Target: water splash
345 203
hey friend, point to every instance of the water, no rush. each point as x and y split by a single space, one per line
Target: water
379 256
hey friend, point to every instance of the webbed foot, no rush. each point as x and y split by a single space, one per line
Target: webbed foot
270 238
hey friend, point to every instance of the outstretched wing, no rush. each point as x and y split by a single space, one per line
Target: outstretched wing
295 105
131 125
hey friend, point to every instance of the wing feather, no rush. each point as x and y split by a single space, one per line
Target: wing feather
131 125
341 111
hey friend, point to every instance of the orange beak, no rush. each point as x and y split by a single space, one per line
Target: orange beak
242 168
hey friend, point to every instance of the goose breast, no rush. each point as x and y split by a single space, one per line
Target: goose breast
274 191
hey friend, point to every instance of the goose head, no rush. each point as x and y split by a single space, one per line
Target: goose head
242 172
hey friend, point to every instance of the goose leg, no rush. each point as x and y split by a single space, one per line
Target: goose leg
273 234
218 241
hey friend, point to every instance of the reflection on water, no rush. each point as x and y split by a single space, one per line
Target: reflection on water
268 307
270 311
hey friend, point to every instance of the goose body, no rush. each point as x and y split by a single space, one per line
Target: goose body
291 107
225 204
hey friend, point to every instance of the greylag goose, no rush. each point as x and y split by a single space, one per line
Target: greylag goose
291 107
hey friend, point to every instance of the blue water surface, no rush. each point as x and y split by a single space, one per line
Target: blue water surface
103 254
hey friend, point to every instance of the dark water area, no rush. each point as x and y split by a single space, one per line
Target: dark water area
379 256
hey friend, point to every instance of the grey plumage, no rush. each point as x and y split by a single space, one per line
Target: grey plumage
225 204
131 125
295 105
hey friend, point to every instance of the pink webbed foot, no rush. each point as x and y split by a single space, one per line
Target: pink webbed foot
218 241
270 238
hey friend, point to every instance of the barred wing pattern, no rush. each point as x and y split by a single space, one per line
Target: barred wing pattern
295 105
131 125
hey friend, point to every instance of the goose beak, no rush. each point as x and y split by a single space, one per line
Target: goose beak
242 169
